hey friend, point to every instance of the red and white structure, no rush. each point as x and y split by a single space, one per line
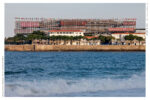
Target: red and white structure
90 26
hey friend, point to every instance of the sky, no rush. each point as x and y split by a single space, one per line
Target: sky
73 10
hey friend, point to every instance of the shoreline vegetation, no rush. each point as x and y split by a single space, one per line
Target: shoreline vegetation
39 35
19 39
39 41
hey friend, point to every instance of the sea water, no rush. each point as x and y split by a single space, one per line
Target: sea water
94 74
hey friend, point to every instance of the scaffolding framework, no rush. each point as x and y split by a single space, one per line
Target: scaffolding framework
28 25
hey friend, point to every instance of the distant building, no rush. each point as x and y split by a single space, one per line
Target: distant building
40 41
119 39
134 42
122 35
75 42
140 30
67 42
66 33
91 26
127 42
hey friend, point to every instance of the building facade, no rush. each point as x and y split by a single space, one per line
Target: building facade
121 36
66 33
140 30
119 39
90 26
67 42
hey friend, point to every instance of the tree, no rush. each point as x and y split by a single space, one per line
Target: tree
71 39
109 39
132 37
139 39
105 39
79 38
9 40
37 35
17 39
129 37
102 38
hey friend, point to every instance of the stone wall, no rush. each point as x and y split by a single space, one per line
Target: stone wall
19 47
75 47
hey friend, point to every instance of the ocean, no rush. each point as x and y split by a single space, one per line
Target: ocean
74 74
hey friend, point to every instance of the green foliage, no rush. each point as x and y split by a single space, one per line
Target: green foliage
40 33
37 35
65 37
17 39
102 38
105 39
10 39
21 39
132 37
109 38
129 37
139 38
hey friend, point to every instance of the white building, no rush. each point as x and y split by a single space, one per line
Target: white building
121 36
140 31
66 33
75 42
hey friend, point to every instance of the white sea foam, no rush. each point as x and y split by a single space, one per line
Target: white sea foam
64 86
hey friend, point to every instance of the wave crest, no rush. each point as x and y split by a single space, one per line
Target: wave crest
64 86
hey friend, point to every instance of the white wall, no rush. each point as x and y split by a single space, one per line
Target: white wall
66 34
140 31
121 36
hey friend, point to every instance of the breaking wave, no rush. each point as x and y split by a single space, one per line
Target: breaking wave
64 86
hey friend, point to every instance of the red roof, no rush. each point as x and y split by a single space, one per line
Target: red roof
128 33
120 29
65 31
90 37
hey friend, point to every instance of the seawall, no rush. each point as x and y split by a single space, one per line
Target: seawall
75 47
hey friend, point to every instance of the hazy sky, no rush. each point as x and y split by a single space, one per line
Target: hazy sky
73 10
